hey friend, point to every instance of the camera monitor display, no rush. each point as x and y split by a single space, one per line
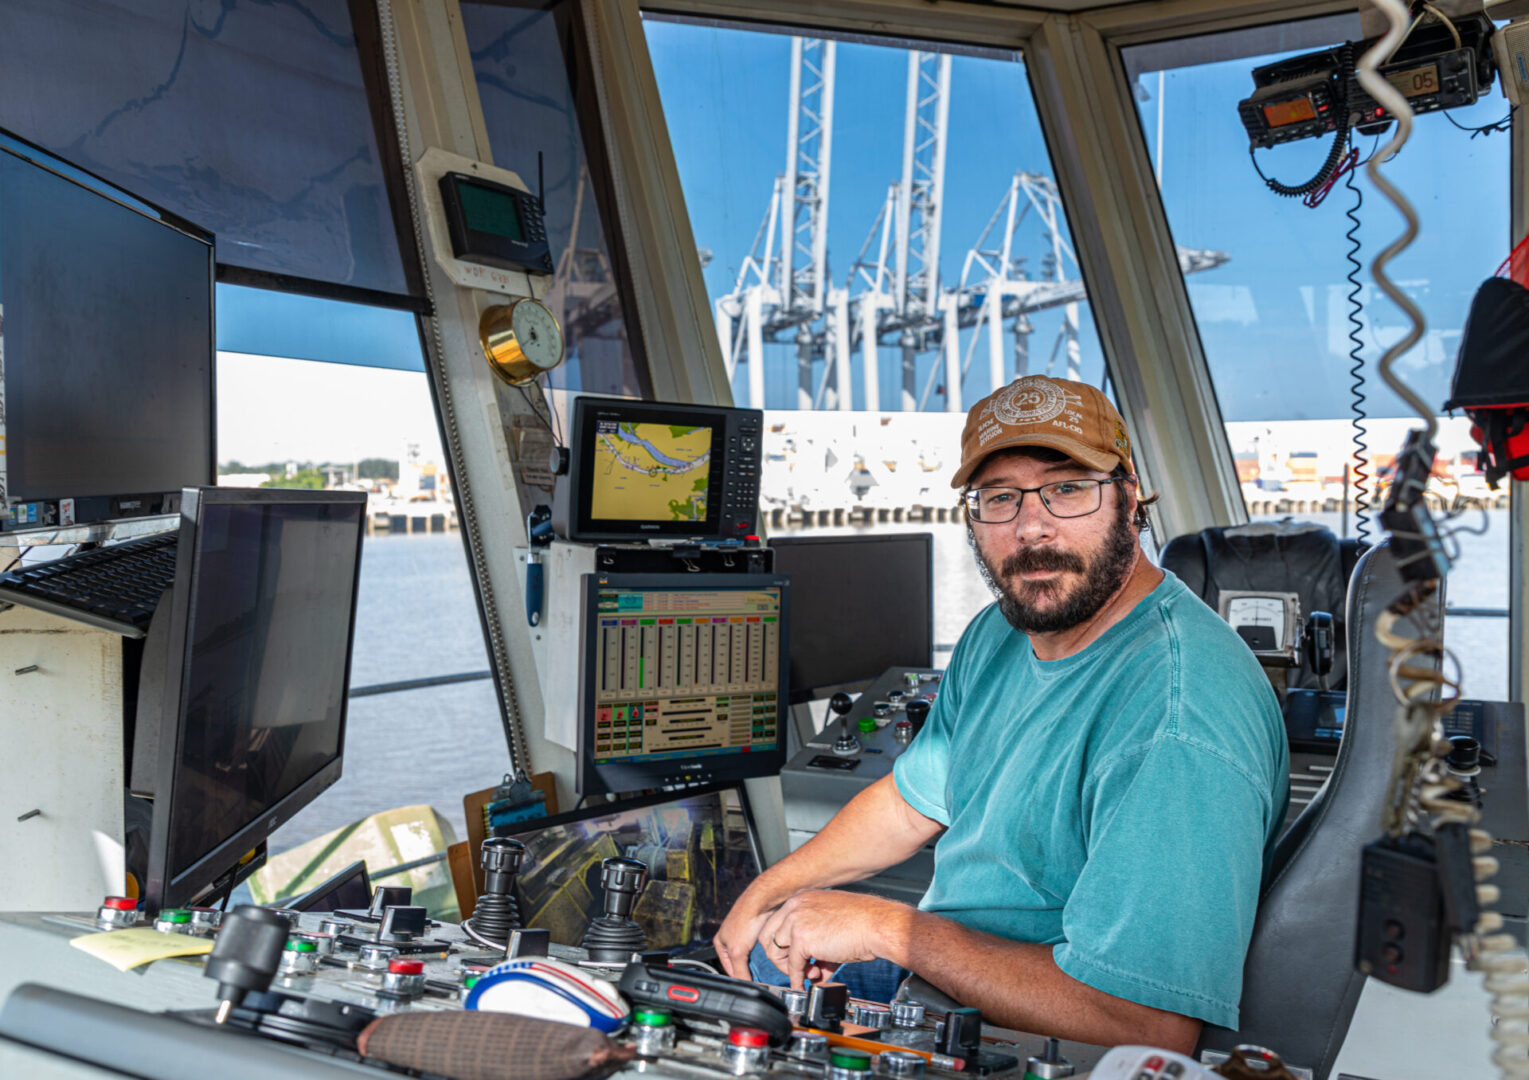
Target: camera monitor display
699 849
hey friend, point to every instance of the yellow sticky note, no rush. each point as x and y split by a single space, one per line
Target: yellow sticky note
124 949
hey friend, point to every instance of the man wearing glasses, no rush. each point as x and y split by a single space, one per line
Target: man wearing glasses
1105 769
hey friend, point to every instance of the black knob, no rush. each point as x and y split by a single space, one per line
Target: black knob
622 880
962 1033
246 954
827 1005
841 703
1464 754
918 711
387 896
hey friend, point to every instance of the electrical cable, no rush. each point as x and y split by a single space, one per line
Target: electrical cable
1505 124
1356 369
1334 154
1391 99
1418 781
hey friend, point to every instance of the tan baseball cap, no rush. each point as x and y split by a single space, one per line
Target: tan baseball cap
1037 410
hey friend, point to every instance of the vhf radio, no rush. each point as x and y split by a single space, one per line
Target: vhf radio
1301 98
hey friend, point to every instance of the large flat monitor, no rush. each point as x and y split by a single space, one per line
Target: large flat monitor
699 847
106 312
252 723
683 679
862 604
640 469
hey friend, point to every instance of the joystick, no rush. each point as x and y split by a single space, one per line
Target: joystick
918 711
846 745
614 937
497 912
246 955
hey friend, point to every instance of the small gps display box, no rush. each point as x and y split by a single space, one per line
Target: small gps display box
495 224
641 470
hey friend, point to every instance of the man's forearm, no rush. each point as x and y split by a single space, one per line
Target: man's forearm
875 830
1018 985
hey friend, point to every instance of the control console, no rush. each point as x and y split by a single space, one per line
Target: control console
858 745
293 992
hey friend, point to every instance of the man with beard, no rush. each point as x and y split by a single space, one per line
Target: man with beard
1105 768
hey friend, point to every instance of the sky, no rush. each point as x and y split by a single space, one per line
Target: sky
1277 305
1272 319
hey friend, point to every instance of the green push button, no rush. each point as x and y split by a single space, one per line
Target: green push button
175 915
301 946
843 1058
470 982
651 1018
867 725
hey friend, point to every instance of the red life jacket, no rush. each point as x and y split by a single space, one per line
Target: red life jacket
1491 383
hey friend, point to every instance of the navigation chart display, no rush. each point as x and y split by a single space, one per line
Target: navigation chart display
650 472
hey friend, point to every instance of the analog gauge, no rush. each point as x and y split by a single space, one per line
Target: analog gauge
1259 611
521 339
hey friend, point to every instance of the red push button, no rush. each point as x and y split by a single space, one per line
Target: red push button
747 1036
120 903
406 967
685 994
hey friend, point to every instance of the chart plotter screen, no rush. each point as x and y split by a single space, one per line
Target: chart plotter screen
686 673
650 472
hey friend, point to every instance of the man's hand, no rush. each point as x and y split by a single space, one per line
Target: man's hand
812 933
739 931
877 829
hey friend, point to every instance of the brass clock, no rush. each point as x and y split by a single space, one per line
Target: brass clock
521 339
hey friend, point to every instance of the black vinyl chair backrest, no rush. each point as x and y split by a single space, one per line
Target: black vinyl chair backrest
1284 556
1299 986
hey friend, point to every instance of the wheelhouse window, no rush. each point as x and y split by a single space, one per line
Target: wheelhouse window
539 126
419 668
1290 319
883 244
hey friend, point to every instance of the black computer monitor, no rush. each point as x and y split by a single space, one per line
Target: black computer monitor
683 679
699 847
862 604
257 661
644 469
107 309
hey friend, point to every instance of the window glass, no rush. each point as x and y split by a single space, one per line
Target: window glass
534 130
250 120
1273 315
929 220
297 423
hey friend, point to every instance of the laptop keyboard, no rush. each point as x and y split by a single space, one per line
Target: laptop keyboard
115 588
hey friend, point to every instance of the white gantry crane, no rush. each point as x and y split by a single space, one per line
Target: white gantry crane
783 287
893 294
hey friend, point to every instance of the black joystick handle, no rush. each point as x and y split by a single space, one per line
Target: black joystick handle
614 937
496 912
841 703
501 862
962 1033
622 880
246 954
1464 754
918 711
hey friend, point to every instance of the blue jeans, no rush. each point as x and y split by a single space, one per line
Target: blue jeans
872 980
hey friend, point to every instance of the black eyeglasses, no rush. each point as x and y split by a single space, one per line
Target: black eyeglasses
1064 499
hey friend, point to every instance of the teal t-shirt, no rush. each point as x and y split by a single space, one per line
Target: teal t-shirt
1120 804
